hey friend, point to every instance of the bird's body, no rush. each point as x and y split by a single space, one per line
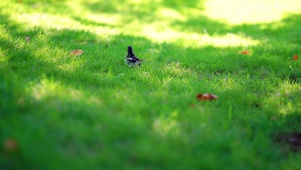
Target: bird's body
131 60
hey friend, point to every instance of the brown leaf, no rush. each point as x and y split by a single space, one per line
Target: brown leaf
274 118
295 57
10 145
245 52
75 53
206 96
27 38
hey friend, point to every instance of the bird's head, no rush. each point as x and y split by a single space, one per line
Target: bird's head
130 50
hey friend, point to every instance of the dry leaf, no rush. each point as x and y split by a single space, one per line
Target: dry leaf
27 38
206 96
245 52
75 53
10 145
295 57
274 118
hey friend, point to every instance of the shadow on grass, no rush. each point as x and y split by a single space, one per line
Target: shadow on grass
287 134
109 61
137 9
87 40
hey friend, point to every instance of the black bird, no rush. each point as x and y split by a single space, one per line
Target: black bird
131 60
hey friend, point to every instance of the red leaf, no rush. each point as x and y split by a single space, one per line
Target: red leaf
245 52
295 57
206 96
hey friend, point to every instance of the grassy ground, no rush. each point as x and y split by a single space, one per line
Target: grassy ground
94 112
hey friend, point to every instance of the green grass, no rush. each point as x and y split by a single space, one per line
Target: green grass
94 112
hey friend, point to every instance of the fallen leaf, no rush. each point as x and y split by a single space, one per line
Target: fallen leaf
274 118
245 52
206 96
27 38
10 145
75 53
295 57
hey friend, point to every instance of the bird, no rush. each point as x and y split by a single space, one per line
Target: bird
131 60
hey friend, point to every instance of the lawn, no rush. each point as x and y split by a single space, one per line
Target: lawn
92 111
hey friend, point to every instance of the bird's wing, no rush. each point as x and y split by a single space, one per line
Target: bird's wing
132 59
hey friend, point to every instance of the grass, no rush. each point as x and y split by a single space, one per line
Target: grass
94 112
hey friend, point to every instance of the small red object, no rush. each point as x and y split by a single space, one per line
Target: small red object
245 52
206 96
295 57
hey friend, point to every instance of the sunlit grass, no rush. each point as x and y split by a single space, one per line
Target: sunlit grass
160 28
47 21
232 11
248 11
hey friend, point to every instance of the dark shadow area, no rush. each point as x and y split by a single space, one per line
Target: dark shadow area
295 77
290 141
197 24
86 21
136 11
287 135
129 7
